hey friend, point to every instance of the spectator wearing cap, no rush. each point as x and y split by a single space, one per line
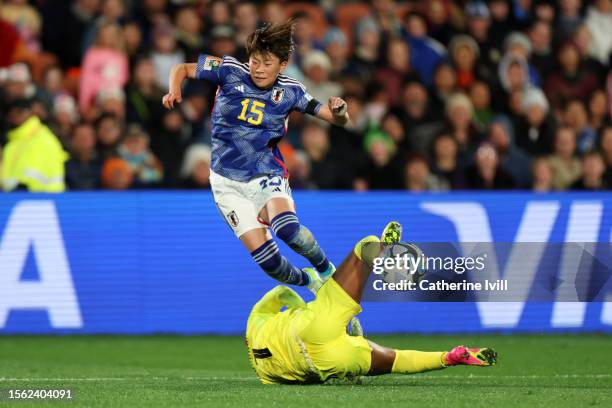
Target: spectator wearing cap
19 83
512 159
366 50
425 52
317 68
478 27
195 170
593 169
571 80
397 69
537 126
336 46
84 168
222 40
565 164
33 159
105 66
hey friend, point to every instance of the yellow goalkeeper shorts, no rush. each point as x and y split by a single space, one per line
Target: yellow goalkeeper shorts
322 329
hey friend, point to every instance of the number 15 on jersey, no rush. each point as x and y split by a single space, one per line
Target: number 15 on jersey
256 110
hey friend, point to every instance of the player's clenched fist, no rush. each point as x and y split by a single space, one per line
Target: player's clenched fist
171 97
337 105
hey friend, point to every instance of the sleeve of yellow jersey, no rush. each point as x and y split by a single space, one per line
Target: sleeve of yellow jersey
275 299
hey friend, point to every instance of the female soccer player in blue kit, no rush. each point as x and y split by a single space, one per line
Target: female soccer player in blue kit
248 176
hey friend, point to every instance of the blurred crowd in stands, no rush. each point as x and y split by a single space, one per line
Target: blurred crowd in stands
443 95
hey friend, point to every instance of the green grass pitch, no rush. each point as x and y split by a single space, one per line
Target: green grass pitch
547 371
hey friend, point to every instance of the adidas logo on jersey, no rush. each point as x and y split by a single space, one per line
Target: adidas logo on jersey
239 87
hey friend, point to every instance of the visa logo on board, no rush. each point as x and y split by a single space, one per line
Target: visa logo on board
539 217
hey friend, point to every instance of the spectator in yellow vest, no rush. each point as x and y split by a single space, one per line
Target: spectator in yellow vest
33 159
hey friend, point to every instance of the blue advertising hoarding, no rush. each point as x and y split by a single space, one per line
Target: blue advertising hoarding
166 262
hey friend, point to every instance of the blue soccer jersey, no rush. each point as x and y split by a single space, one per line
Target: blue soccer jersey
248 122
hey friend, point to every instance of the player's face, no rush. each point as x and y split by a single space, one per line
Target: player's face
265 68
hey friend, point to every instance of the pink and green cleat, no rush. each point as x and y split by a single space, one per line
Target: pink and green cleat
462 355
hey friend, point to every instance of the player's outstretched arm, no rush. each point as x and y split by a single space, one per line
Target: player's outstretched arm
177 75
335 112
278 297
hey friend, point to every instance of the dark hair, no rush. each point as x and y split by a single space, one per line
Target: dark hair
276 39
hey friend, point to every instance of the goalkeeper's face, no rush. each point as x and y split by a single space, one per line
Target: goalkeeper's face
265 68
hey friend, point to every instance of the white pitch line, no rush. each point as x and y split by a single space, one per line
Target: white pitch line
253 379
535 376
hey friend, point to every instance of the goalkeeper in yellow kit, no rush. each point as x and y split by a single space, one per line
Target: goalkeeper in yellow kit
309 343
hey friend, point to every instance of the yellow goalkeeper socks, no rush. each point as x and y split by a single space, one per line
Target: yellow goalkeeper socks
412 361
367 252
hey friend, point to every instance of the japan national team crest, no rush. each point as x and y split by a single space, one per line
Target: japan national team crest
233 219
277 94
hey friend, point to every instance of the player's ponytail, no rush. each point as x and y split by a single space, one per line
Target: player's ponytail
276 39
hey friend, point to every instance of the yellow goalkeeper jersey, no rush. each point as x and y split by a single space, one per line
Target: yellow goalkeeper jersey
307 343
